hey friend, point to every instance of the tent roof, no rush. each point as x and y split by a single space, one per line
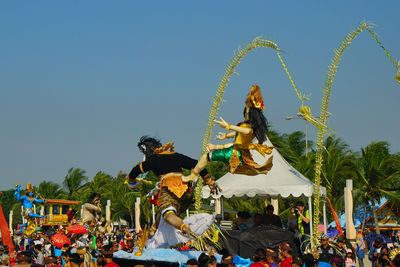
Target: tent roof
283 180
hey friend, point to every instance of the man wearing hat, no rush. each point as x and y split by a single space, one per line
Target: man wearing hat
326 251
341 251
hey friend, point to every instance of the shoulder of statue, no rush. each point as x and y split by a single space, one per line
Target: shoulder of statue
244 124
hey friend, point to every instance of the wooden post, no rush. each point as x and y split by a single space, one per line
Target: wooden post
22 214
137 215
324 214
348 210
10 222
275 204
153 213
108 212
218 208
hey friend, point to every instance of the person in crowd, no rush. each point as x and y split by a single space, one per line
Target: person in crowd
350 260
257 220
108 254
39 257
51 261
383 258
325 251
75 260
64 259
303 221
207 261
286 256
269 218
339 258
396 261
271 257
375 250
259 258
130 246
242 221
23 259
360 248
4 260
309 261
192 263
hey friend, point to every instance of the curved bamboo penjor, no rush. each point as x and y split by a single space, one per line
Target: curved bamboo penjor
321 123
230 70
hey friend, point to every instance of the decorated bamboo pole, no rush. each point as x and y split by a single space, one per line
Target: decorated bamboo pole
321 125
230 70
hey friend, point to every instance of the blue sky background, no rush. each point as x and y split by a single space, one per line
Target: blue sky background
81 81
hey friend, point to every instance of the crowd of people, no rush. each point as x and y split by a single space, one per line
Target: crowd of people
85 250
92 250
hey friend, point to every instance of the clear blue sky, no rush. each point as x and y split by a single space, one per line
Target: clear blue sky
81 81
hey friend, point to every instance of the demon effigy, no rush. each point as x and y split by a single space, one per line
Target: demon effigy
27 201
173 195
237 153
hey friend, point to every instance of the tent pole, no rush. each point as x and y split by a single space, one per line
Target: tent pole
275 204
324 214
217 207
311 219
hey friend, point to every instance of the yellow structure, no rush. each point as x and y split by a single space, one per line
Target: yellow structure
55 211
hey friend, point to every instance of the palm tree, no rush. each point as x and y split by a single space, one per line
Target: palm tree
123 200
339 165
280 142
297 143
50 190
8 200
101 183
74 181
378 175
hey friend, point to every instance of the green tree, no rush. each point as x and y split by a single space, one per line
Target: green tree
101 183
7 200
378 175
123 200
50 190
339 165
74 180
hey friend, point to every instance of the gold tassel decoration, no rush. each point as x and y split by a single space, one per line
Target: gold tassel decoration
207 239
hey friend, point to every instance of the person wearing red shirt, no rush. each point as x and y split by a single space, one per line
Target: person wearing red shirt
108 254
260 259
286 258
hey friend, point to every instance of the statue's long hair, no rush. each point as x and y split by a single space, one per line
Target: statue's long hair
147 145
255 117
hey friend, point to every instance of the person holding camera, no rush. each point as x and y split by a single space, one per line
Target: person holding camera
303 222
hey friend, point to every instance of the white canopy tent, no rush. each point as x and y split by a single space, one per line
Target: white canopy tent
283 180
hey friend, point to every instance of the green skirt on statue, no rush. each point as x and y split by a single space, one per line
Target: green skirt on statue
223 155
